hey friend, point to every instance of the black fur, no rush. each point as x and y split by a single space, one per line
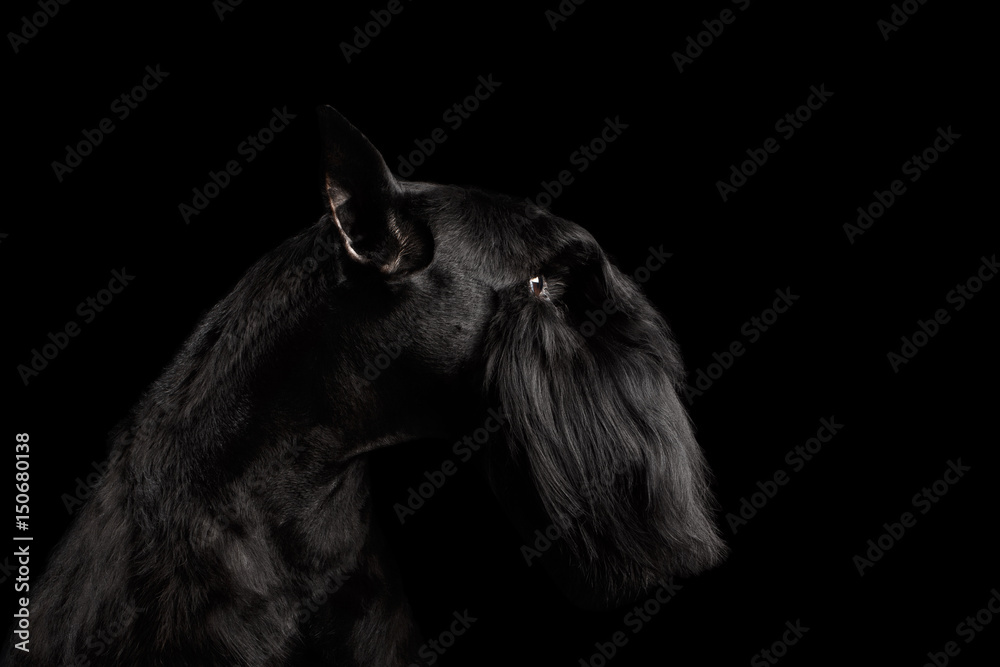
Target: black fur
238 489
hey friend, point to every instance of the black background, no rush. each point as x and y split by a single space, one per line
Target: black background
655 185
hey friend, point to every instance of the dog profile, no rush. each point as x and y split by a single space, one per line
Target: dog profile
239 484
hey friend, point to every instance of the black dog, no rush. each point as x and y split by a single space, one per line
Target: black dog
266 416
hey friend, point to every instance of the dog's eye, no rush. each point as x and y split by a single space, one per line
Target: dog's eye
538 287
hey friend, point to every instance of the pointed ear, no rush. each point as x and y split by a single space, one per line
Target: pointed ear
363 200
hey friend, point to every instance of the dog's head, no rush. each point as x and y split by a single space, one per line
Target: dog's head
519 307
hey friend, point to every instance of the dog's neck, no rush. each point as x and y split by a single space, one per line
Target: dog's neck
237 494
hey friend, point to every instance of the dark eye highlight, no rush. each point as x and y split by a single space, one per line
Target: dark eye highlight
538 287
